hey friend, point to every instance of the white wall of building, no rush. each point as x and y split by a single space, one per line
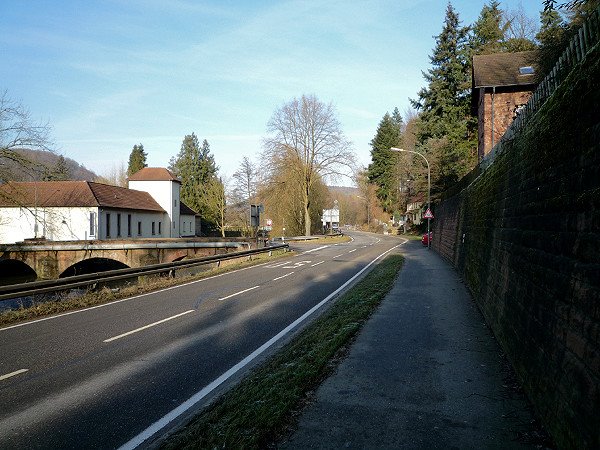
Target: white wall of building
58 224
80 223
166 194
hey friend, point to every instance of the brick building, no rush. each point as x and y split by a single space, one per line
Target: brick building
502 84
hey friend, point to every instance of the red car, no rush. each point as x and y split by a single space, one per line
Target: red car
425 239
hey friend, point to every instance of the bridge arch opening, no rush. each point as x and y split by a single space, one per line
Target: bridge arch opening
93 265
13 271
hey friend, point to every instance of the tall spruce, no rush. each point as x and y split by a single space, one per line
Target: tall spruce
137 160
447 129
195 167
382 170
488 31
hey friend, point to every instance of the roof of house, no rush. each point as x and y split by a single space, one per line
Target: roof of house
186 210
502 69
74 194
154 174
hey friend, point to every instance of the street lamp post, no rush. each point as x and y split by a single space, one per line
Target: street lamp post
394 149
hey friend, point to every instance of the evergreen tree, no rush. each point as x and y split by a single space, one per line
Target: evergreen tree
60 172
381 171
195 167
488 33
444 104
137 160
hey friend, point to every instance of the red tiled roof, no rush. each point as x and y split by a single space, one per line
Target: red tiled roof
73 194
502 69
154 174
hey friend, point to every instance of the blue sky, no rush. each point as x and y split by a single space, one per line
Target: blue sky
110 74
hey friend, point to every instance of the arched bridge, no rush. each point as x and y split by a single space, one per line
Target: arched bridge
51 260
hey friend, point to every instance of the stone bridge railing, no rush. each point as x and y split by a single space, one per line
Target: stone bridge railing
50 260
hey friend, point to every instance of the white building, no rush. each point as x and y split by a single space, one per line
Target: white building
83 210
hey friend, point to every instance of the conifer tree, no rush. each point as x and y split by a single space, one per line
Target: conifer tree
488 32
446 120
195 167
137 160
381 171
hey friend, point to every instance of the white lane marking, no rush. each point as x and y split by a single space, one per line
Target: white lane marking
12 374
316 264
104 305
297 264
145 327
352 251
337 256
315 249
272 266
161 423
238 293
364 246
283 276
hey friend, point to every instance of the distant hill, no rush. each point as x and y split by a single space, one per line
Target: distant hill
344 190
39 164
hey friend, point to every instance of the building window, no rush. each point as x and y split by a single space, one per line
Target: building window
153 228
107 225
159 227
139 228
92 224
128 224
118 225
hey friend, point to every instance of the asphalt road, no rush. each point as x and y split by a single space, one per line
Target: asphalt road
100 377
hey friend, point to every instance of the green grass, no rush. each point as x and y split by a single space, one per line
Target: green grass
105 295
256 413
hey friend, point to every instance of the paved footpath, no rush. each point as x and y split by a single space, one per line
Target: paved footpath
425 372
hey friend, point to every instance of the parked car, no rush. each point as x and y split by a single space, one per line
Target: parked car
425 239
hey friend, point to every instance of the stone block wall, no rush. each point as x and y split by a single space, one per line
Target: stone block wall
525 235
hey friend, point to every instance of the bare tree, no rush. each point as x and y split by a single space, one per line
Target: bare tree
245 181
116 175
520 30
19 131
306 136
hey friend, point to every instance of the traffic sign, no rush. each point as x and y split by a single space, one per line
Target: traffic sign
428 214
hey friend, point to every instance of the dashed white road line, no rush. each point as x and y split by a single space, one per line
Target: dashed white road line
352 251
316 264
145 327
12 374
315 249
283 276
337 256
238 293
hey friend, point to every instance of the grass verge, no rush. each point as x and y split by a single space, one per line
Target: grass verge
68 302
324 240
259 409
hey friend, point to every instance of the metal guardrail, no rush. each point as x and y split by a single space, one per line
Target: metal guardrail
76 281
